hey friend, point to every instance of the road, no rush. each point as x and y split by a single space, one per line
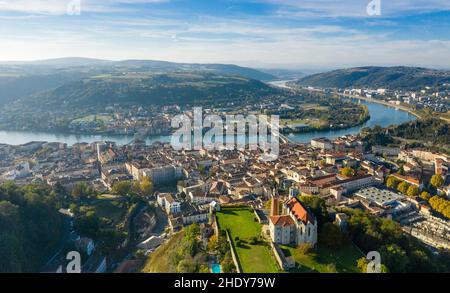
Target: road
161 221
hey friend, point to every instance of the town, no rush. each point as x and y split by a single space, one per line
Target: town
435 99
269 214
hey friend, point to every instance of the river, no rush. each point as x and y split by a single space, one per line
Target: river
379 115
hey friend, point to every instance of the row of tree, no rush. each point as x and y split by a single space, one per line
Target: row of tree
402 186
440 205
144 187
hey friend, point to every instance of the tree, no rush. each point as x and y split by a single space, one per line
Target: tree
413 191
362 263
146 186
109 240
377 136
317 206
10 254
395 258
213 243
227 263
441 205
437 181
371 233
203 269
222 246
425 195
30 226
186 266
80 191
392 182
403 187
60 192
305 248
347 171
193 231
331 236
122 188
331 267
88 224
420 261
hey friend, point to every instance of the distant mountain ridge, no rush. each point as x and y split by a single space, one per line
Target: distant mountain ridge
400 77
142 65
24 78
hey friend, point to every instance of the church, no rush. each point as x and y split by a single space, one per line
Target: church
295 225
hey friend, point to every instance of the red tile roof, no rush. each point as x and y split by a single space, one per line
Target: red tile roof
407 179
299 211
282 220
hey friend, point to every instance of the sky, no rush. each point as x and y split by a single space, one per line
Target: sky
291 34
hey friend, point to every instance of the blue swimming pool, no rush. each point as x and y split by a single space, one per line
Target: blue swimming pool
216 269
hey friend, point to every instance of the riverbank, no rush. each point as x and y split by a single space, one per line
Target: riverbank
380 114
371 100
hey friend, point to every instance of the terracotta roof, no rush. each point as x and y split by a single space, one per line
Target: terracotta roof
299 211
224 199
282 220
217 187
407 179
322 179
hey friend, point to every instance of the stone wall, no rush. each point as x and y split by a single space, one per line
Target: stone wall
233 253
280 257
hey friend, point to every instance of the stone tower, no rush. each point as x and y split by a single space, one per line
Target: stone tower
275 207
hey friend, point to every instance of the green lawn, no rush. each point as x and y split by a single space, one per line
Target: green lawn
112 210
241 223
324 260
310 122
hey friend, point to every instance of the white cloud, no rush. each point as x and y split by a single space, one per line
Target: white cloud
295 47
354 8
245 40
59 7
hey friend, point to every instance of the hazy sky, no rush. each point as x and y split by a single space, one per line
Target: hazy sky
261 33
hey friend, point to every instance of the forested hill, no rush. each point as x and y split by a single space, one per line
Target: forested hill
30 227
378 77
146 89
21 79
